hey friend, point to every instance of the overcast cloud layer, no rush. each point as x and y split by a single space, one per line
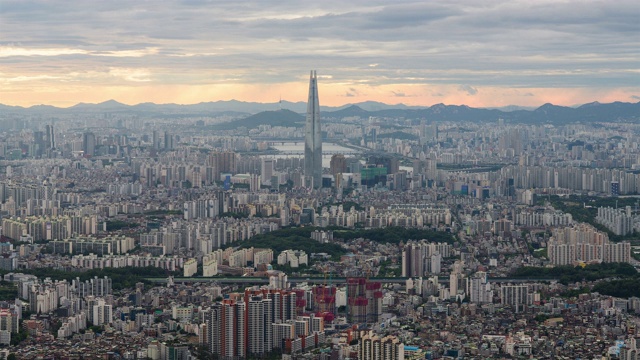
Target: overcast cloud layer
480 53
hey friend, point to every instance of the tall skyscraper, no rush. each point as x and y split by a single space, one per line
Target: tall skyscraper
267 171
338 164
89 144
168 141
50 137
313 137
156 140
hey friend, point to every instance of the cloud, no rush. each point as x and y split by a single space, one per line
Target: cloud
352 92
399 94
635 97
468 89
28 78
10 51
136 75
126 53
373 45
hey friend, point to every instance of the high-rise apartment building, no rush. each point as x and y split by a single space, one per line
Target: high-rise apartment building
514 295
364 300
372 347
479 289
584 243
422 258
254 323
313 137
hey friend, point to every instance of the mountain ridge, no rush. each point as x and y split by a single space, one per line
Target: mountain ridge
545 114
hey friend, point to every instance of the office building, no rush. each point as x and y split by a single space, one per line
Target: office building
267 171
89 144
168 141
313 137
338 164
49 137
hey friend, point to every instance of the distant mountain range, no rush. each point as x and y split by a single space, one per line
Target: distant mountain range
286 113
216 107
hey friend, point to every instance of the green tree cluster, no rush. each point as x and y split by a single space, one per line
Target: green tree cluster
8 291
395 235
575 205
114 225
285 239
121 278
623 288
568 274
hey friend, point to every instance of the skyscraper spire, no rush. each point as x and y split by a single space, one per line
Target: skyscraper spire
313 137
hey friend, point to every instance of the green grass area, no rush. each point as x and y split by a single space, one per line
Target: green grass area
540 253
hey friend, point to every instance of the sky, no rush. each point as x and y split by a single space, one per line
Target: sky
487 53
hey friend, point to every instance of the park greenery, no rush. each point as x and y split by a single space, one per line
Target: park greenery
612 279
585 209
234 215
294 239
8 291
121 278
300 238
163 212
115 225
567 274
623 288
388 270
394 235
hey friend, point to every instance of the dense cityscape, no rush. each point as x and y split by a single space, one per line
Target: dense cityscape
128 237
319 180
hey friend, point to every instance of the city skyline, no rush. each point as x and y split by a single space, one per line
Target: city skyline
417 53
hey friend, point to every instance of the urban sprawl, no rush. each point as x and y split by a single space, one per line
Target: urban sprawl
336 235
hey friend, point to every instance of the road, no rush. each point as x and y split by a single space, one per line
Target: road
297 280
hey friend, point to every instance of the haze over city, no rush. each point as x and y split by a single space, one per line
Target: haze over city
488 54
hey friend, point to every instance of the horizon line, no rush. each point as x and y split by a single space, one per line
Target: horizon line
302 102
